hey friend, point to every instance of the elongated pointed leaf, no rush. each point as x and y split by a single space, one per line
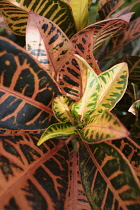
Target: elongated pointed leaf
85 42
47 43
32 177
16 12
108 178
90 88
76 195
80 13
131 32
101 31
135 109
57 129
105 126
113 86
62 109
108 7
27 90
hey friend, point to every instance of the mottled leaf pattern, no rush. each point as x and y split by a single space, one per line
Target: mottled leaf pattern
105 178
109 7
101 31
113 85
47 43
62 109
90 89
77 199
85 42
103 127
57 129
32 177
131 32
26 90
135 109
131 151
16 12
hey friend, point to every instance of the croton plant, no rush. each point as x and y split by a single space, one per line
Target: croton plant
69 113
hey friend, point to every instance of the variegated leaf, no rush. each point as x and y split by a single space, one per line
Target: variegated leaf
16 12
85 42
108 7
57 129
131 150
27 90
90 89
108 179
103 127
76 199
101 31
134 68
47 43
62 109
131 32
113 86
80 13
135 109
33 177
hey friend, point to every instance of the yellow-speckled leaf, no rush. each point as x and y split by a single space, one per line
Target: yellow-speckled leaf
104 127
57 129
16 12
80 13
61 107
113 85
90 88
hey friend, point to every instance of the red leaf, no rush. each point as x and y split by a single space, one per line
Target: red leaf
47 43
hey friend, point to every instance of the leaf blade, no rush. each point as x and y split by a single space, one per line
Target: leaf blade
57 129
62 108
90 90
104 127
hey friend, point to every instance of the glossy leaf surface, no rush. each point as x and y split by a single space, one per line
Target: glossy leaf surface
62 108
16 12
32 177
113 85
104 172
90 88
103 127
47 43
27 90
57 129
108 7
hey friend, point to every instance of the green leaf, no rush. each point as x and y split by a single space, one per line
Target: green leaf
90 90
15 13
62 109
57 129
113 86
104 127
108 178
135 109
